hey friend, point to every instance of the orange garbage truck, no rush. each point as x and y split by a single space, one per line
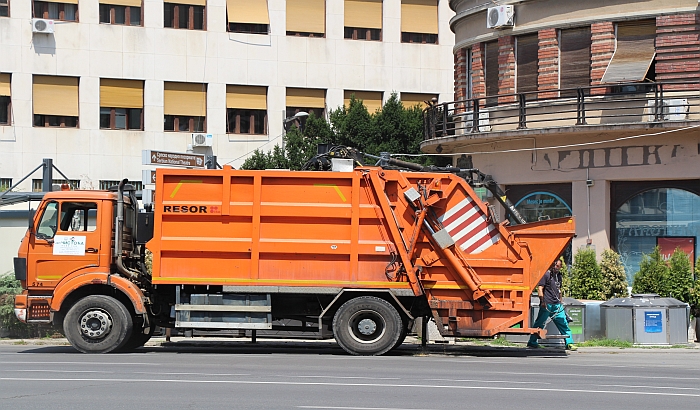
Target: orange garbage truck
356 254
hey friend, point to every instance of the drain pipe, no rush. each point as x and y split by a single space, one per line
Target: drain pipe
118 226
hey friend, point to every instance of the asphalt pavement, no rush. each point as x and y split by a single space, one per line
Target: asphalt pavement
289 374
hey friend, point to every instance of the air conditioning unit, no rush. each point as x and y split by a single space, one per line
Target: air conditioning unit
202 140
501 16
42 26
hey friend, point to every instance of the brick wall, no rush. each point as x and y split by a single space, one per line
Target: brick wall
548 56
461 74
506 68
678 49
602 49
478 80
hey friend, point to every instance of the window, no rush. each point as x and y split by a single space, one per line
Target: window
4 8
48 224
248 16
66 10
491 72
633 60
185 107
419 21
123 12
371 99
106 184
363 19
189 16
5 99
574 59
527 64
38 184
410 100
55 101
246 109
306 100
121 104
5 184
306 18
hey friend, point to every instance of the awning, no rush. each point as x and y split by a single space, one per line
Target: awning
121 93
247 11
411 99
306 16
130 3
5 85
634 52
246 97
371 99
55 95
185 99
419 16
306 98
363 13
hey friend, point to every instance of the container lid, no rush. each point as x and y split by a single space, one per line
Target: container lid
645 300
572 302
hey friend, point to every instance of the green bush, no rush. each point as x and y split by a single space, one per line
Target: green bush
613 273
652 276
586 277
9 287
680 276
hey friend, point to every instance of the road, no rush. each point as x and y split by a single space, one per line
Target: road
319 375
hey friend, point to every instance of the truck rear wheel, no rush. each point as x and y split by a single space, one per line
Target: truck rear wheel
139 336
97 324
367 326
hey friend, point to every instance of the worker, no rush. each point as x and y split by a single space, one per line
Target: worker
549 291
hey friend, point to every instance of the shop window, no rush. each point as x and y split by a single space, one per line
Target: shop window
657 213
121 12
67 11
184 16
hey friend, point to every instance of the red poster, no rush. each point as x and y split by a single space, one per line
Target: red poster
669 244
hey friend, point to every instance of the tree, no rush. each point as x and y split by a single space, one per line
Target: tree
680 276
613 273
652 276
586 278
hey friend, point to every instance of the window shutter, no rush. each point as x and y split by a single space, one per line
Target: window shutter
247 11
419 16
306 16
121 93
190 2
246 97
634 52
5 85
130 3
55 95
371 99
62 1
363 13
491 71
526 60
411 99
185 99
575 58
306 98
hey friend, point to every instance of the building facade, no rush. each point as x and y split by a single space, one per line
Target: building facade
585 108
92 83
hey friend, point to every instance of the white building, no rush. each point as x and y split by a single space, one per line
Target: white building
119 76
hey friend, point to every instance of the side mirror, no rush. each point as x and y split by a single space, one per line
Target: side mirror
32 213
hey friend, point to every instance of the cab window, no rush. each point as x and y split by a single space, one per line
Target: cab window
49 222
78 216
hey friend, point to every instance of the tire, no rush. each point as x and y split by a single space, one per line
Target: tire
367 326
98 324
138 337
402 337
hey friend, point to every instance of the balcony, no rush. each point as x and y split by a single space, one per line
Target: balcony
584 111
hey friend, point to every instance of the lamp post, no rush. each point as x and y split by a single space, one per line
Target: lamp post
298 116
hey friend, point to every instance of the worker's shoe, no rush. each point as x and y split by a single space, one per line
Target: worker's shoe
572 347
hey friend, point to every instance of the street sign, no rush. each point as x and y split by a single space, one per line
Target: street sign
148 177
173 159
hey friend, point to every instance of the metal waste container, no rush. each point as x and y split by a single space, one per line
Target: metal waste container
646 319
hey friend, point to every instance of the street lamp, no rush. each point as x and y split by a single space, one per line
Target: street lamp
296 117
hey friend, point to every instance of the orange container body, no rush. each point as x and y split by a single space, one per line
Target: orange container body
354 230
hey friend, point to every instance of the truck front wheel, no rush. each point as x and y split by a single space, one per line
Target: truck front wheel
97 324
367 325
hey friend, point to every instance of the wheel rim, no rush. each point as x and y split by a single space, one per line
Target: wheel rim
367 326
95 324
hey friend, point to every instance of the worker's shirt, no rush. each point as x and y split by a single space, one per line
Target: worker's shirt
551 281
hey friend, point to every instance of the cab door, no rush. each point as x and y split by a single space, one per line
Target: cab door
66 240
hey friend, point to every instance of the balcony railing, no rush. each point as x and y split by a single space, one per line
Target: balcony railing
622 104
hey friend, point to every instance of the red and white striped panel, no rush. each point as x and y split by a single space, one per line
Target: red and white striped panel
469 227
